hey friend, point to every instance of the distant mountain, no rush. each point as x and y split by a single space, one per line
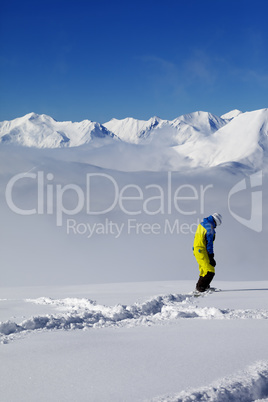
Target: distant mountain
187 128
204 122
41 131
198 139
244 139
132 130
175 132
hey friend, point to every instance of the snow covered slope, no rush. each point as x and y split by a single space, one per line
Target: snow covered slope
244 139
231 115
42 131
160 343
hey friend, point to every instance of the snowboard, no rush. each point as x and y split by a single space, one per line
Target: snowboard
196 293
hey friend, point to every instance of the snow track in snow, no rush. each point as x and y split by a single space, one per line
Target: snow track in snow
247 386
75 313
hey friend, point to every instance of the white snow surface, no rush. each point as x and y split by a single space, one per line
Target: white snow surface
85 313
245 386
150 341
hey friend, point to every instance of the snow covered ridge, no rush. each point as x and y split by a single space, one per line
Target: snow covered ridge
247 386
198 139
231 115
41 131
84 313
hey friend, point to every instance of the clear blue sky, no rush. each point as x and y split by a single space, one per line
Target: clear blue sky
76 60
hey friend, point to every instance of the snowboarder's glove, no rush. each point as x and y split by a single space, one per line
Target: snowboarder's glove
211 260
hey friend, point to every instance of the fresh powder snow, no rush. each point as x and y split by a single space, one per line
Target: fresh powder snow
167 347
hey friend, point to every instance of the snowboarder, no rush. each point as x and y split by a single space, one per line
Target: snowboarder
203 250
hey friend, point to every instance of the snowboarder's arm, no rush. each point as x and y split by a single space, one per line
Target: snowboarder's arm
209 239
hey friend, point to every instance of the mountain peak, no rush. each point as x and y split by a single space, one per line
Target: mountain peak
31 115
130 129
232 114
204 122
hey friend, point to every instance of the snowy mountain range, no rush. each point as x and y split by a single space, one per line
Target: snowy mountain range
175 132
42 131
199 138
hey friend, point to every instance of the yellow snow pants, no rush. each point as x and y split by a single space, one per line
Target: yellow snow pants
202 259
